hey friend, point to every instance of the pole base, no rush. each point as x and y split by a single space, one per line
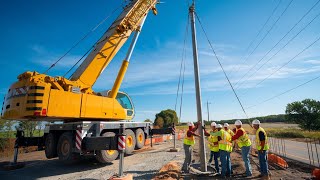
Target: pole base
174 150
13 166
124 177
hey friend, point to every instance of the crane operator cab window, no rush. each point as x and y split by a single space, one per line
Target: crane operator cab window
125 102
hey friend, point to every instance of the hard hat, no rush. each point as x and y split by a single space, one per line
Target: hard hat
213 124
238 123
256 121
226 125
219 126
190 124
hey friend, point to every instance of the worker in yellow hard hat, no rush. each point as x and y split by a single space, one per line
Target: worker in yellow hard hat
188 143
262 147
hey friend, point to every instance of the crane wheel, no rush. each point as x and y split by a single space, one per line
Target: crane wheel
106 156
130 141
140 137
51 146
64 148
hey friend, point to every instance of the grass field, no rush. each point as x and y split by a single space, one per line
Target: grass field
12 134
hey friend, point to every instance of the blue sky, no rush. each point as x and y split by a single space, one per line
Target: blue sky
36 33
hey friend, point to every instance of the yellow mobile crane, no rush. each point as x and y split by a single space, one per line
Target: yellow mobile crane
85 113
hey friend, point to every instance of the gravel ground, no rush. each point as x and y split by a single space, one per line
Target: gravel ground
143 164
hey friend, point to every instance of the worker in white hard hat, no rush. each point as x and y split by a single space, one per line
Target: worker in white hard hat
225 148
262 147
188 143
244 143
213 144
226 128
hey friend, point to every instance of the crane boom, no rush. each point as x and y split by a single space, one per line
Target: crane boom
110 43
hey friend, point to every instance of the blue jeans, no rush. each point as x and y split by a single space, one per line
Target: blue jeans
225 163
263 162
245 157
215 155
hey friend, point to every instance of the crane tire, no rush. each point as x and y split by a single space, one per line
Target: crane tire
64 148
107 156
130 141
140 138
51 146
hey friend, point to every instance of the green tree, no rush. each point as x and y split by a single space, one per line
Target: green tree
305 113
147 120
165 118
28 126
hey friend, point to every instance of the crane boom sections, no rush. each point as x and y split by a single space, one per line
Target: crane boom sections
110 43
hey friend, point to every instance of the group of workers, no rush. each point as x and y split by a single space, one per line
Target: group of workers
221 141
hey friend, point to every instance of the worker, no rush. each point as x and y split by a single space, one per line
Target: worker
225 148
226 128
262 147
213 143
188 143
244 143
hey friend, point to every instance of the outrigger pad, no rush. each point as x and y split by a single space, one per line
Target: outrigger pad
13 166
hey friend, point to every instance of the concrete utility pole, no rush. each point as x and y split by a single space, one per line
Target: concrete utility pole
208 110
197 87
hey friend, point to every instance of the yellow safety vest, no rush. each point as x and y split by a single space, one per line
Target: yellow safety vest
244 139
212 140
188 140
266 145
225 142
230 132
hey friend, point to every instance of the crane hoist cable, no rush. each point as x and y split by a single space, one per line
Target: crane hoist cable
84 37
225 74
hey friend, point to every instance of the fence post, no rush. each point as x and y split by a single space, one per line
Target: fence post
315 145
311 151
308 151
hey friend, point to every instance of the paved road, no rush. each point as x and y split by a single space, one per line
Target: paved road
296 150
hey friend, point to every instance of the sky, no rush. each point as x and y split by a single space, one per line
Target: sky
35 33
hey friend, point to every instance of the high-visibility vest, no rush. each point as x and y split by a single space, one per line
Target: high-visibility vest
213 143
266 145
244 139
225 142
189 140
230 132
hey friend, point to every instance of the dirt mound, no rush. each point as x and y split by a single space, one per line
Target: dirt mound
169 171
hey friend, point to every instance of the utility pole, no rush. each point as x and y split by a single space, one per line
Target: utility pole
208 110
198 90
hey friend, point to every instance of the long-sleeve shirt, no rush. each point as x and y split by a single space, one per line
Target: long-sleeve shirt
192 131
238 134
